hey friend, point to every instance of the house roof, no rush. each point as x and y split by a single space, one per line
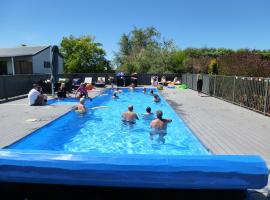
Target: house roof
21 51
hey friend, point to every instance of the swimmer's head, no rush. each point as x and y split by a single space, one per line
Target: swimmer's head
159 114
82 100
148 109
130 108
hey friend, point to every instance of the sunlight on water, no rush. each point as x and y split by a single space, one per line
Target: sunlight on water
101 130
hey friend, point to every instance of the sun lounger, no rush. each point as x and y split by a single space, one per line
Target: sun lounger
100 82
88 80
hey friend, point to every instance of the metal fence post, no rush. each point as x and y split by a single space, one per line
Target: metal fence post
215 82
192 81
266 96
234 79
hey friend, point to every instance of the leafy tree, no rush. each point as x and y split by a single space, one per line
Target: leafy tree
213 66
83 55
142 51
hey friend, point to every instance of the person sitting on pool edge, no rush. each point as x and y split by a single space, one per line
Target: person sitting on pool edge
80 107
82 91
62 91
35 96
156 98
159 127
130 116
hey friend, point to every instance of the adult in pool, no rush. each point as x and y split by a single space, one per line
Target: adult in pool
159 127
130 116
156 98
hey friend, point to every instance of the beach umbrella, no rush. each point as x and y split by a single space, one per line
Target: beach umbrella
54 67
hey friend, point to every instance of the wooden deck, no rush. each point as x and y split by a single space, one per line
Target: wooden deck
223 127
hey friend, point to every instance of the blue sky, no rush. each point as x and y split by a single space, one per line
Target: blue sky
190 23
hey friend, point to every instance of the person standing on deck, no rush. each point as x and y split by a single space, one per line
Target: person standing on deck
199 83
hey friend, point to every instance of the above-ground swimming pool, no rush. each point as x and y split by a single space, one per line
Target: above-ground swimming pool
101 130
98 149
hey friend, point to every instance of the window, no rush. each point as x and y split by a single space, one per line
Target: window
23 67
47 64
3 67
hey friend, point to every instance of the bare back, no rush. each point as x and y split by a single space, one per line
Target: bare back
160 124
129 116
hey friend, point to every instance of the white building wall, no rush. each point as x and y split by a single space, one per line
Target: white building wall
38 62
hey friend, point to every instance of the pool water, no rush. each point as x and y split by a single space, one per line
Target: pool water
66 101
101 130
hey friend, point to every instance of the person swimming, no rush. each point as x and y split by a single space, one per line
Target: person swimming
159 127
156 98
152 92
115 96
132 87
144 90
130 116
148 114
81 107
118 90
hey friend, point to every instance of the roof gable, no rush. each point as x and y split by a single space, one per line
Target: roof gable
21 51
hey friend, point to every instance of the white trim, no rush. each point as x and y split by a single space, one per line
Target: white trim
12 66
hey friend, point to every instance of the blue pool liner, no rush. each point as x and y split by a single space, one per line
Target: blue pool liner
140 171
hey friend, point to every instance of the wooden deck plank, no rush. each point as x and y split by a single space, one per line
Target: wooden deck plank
223 127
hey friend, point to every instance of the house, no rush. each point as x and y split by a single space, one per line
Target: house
28 60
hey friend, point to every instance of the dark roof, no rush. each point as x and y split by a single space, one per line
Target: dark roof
21 51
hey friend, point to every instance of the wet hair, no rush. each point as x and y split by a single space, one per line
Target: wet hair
148 109
82 100
159 114
152 91
156 96
130 108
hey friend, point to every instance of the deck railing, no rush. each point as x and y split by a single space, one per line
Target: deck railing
249 92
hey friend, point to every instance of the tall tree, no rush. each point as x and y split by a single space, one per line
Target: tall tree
83 55
142 51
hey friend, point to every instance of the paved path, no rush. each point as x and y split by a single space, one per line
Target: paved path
18 119
223 127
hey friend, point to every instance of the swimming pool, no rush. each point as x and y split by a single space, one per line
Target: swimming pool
97 149
101 130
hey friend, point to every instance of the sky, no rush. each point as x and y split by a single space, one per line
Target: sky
190 23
